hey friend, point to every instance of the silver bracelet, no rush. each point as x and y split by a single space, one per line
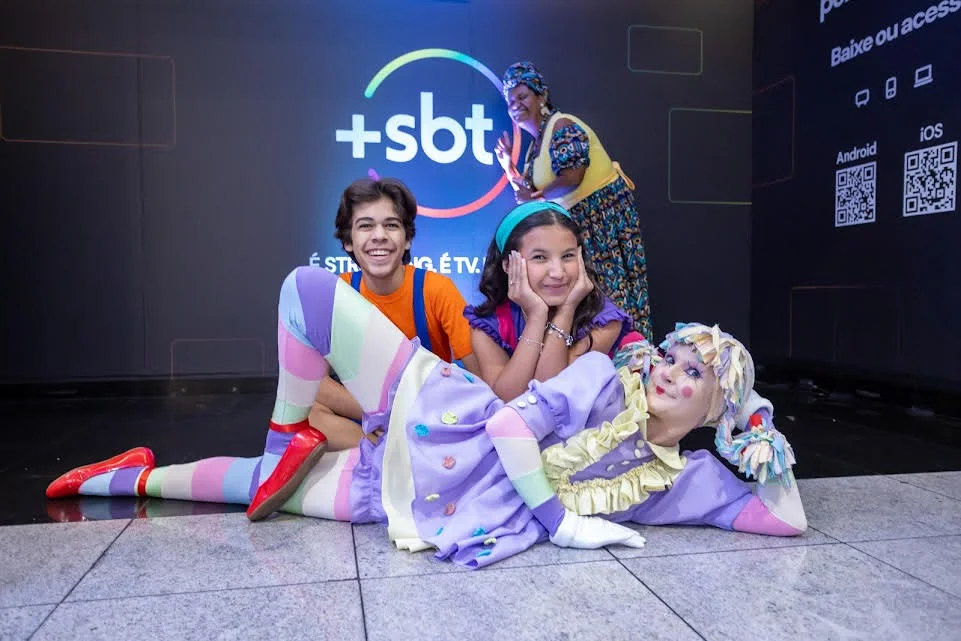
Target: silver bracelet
564 336
540 346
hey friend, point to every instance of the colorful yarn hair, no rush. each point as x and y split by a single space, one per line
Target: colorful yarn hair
734 369
525 73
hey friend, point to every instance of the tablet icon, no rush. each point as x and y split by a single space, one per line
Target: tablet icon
923 76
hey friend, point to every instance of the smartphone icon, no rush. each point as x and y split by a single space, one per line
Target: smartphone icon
891 88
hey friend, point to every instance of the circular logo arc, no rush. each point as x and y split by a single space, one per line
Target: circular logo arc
450 54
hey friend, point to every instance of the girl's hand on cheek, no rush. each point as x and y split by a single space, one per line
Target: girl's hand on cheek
582 286
519 287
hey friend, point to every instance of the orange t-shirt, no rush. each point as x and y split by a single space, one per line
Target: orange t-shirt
448 328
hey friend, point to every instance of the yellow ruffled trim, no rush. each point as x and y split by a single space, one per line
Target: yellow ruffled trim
607 496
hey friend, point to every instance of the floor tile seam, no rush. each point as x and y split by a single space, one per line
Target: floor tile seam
730 551
906 573
901 538
360 586
661 599
211 591
823 533
926 489
26 605
39 625
82 577
97 560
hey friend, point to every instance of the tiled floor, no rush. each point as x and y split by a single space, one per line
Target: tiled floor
880 561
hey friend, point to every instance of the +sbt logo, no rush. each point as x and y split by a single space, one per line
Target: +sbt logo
400 130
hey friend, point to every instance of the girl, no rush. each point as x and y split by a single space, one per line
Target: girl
543 306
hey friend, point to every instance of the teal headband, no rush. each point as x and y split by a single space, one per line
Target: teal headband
518 214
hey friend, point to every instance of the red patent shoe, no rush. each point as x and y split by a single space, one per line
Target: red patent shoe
69 484
307 446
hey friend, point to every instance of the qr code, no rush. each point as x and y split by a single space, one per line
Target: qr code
855 194
931 179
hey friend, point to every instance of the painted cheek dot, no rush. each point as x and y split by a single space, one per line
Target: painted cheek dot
687 392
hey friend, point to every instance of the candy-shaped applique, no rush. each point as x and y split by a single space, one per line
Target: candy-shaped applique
490 541
470 379
430 498
484 553
421 429
521 404
450 509
438 532
480 532
532 399
445 371
448 418
448 462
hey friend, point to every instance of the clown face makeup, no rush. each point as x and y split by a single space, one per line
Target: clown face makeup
681 390
733 370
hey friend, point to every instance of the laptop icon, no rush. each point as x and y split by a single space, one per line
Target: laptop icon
923 76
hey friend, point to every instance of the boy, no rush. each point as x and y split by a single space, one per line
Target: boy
375 226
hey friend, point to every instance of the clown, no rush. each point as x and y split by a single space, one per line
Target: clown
462 472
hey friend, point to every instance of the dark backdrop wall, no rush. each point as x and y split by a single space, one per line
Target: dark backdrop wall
855 227
163 165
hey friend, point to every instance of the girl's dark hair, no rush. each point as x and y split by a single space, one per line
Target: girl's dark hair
493 280
367 190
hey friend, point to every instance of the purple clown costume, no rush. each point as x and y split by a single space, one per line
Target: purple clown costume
437 477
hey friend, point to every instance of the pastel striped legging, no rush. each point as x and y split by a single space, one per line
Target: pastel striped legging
322 323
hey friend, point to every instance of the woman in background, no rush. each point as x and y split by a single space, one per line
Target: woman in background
567 164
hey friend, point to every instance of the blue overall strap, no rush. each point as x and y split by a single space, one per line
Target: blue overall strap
420 309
